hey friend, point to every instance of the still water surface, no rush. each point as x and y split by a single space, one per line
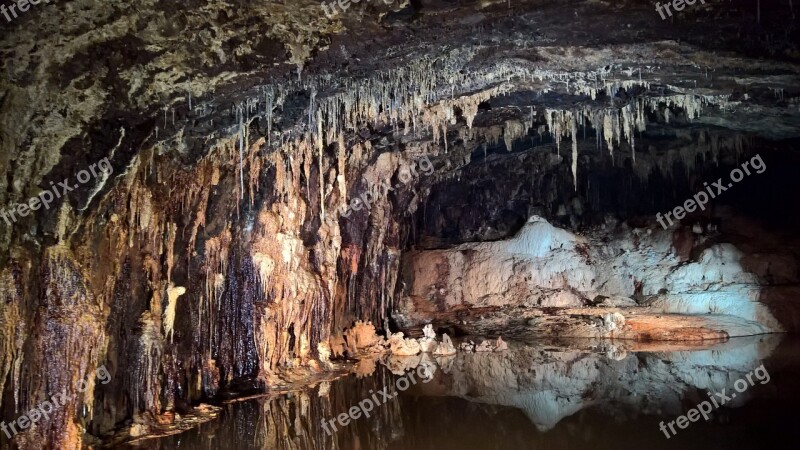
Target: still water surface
534 396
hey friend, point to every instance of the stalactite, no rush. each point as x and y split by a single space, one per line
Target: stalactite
255 164
321 165
172 229
12 331
608 132
241 152
341 166
574 137
173 293
618 125
217 251
703 142
512 131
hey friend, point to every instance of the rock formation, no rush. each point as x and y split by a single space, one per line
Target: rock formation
446 347
403 346
428 342
362 337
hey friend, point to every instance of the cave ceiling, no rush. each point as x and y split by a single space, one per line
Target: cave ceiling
82 79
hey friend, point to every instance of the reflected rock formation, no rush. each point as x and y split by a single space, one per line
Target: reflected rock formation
549 383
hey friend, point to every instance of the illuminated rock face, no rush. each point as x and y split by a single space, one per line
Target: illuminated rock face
544 266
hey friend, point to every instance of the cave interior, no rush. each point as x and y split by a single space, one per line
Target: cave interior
225 222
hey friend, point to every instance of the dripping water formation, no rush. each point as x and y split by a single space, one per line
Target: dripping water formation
421 224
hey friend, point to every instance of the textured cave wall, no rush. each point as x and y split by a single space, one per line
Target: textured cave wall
263 279
216 252
160 280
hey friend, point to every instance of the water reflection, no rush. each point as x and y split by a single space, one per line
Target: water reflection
531 396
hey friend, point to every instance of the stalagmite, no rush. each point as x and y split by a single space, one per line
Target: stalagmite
446 347
400 346
428 341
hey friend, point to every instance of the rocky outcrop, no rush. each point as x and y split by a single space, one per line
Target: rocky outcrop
544 266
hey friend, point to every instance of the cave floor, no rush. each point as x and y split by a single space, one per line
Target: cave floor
555 394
